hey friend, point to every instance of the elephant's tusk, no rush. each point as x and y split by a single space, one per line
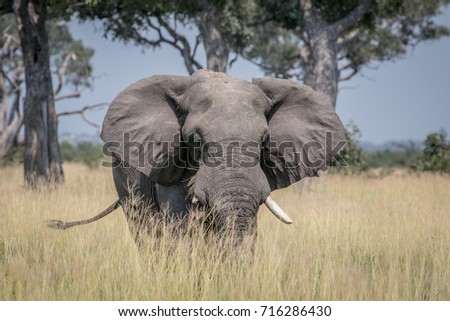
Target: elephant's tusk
194 200
277 211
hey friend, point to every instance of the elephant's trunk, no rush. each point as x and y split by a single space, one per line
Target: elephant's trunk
235 203
233 190
237 212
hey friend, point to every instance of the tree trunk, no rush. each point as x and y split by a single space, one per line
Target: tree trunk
320 70
11 125
215 41
319 60
42 154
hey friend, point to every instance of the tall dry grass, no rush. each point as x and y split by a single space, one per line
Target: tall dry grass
353 238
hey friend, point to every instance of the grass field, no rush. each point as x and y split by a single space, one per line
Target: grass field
353 238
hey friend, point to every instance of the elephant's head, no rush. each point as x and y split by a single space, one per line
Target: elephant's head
241 140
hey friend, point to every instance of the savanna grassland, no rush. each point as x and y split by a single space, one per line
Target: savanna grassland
353 238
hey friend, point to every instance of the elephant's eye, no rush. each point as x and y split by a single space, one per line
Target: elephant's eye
195 145
196 139
265 140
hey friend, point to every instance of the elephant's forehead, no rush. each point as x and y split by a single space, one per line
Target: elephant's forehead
222 85
225 92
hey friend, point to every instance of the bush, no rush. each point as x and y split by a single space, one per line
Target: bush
435 156
85 153
14 155
396 154
352 154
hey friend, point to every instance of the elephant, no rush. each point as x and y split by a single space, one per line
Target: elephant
215 141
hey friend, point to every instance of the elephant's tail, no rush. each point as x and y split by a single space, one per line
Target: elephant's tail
60 225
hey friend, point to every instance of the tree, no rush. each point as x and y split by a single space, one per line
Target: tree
220 25
29 62
323 42
43 163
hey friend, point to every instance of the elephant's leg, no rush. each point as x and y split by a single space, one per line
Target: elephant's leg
172 200
142 218
149 223
137 198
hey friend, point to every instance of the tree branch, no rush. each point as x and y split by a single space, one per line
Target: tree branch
350 75
10 44
14 129
82 113
62 71
4 100
184 48
10 126
15 111
345 67
14 85
353 34
349 66
278 73
305 5
197 43
311 17
175 40
68 96
354 16
232 61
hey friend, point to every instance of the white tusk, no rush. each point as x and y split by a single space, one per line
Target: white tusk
194 200
277 211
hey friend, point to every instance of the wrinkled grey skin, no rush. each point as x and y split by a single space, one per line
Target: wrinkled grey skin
215 107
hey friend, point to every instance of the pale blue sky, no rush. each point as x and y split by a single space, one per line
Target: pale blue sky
404 99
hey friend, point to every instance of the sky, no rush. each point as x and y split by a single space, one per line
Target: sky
404 99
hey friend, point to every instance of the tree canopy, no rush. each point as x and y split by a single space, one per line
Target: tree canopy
356 34
317 41
220 25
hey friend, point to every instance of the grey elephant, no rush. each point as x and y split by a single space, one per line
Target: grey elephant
213 140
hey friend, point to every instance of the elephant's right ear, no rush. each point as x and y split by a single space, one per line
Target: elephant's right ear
305 132
142 128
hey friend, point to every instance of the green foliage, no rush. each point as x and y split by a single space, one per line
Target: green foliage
235 18
13 156
84 152
70 63
335 10
78 73
384 33
435 156
152 23
352 154
397 154
394 27
123 17
279 49
388 158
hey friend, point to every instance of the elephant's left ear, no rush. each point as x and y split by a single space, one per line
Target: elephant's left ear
143 124
305 132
